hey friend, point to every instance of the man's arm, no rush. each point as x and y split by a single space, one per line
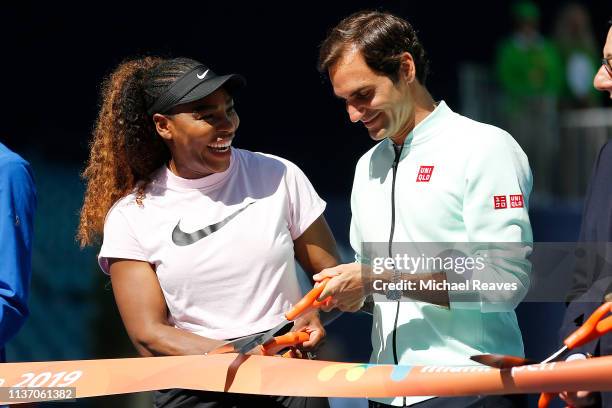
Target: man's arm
592 277
17 207
495 212
595 232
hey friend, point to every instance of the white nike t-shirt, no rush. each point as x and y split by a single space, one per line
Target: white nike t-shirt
221 245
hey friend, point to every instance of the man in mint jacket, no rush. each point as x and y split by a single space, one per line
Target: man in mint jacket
434 177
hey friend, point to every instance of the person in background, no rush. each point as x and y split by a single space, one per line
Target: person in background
593 274
17 208
576 43
528 64
529 71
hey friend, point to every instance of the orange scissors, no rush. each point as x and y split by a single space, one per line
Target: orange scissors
270 344
306 304
270 348
596 326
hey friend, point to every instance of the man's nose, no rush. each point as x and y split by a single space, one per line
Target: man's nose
602 80
355 113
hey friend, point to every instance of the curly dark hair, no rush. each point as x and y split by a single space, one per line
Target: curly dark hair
125 148
381 37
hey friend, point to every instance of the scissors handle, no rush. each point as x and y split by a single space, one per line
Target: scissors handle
286 340
594 327
545 399
308 302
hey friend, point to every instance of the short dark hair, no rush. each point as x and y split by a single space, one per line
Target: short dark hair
381 37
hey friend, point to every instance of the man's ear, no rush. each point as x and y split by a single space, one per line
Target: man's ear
407 67
163 125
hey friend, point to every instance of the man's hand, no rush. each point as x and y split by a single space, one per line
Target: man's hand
346 287
311 324
580 399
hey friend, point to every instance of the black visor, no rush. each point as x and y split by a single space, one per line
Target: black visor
193 85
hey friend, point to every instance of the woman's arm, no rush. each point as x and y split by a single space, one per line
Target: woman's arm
144 313
316 249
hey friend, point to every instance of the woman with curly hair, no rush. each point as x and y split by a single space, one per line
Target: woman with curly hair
199 238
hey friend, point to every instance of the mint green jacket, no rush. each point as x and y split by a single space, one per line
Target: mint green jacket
473 165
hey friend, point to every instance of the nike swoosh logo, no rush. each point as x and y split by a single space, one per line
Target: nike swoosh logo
203 75
181 238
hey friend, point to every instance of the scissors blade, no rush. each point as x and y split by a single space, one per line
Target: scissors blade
555 355
304 305
261 338
501 360
233 345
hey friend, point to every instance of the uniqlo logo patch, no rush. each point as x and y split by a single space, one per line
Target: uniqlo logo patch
516 201
424 174
499 202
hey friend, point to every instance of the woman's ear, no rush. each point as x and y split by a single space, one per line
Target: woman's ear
407 67
163 125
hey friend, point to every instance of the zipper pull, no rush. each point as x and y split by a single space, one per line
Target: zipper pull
398 153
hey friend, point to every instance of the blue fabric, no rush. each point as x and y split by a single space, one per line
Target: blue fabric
17 207
593 274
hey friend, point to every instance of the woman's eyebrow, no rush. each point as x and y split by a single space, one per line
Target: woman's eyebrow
203 107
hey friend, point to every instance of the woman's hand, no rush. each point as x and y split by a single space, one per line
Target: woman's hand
311 324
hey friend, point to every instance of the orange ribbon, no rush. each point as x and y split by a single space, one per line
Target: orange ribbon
285 376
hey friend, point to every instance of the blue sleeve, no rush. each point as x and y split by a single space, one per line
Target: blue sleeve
17 207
